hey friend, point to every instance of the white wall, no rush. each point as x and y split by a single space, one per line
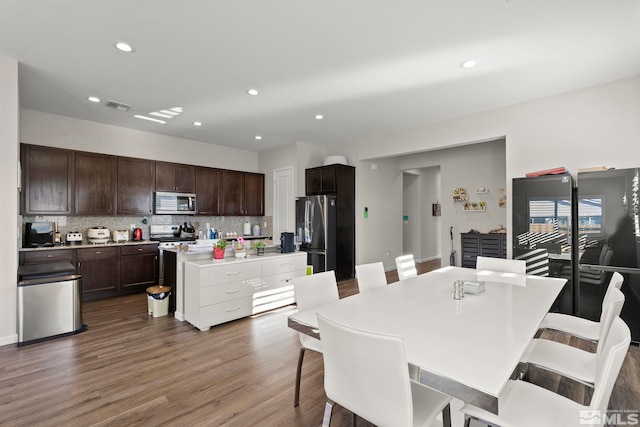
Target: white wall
9 126
64 132
430 239
592 126
411 202
470 166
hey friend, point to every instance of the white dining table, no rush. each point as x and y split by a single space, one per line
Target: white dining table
467 348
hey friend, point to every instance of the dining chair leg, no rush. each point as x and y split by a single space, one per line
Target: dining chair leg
328 409
296 398
446 416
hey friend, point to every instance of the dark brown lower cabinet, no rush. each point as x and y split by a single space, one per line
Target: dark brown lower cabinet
138 267
99 269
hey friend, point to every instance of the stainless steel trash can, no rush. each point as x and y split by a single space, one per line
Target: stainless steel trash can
49 303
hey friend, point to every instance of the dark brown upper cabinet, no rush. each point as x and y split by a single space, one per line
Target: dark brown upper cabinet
321 180
95 185
175 177
47 180
136 182
253 197
242 193
208 181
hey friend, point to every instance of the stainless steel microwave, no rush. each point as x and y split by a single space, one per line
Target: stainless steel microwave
168 203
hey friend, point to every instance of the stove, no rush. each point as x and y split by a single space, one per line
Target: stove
167 236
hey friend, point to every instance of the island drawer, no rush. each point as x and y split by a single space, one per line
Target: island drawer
227 292
225 311
284 264
276 281
235 272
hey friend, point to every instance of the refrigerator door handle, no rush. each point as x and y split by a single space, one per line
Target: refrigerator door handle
307 222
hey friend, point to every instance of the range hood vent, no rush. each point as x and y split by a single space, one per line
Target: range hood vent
117 106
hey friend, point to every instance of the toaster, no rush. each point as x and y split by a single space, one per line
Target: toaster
74 237
120 236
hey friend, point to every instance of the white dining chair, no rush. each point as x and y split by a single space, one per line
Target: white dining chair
370 276
571 361
502 265
310 292
578 326
366 373
406 267
524 404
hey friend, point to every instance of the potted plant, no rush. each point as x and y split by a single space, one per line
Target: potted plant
218 249
259 247
238 248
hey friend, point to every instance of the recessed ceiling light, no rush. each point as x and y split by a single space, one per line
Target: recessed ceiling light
93 99
124 47
258 137
469 63
197 123
319 116
253 92
151 119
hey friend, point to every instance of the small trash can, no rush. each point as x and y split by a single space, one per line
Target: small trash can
158 300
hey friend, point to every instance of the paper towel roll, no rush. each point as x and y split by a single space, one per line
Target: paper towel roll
246 229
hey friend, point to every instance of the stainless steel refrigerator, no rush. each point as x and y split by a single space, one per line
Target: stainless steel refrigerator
316 227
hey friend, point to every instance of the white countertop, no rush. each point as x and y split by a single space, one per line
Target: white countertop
233 260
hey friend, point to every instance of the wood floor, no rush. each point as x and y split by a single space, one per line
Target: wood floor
130 369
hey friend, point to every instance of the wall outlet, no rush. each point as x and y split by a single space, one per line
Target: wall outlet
388 254
132 226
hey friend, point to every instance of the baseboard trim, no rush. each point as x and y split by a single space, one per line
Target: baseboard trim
9 339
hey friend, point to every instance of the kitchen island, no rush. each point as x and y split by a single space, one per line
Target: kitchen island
218 291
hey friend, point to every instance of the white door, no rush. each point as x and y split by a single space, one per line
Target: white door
283 202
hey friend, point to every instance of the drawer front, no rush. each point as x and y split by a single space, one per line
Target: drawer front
33 257
236 272
226 311
138 249
95 253
281 280
225 292
284 264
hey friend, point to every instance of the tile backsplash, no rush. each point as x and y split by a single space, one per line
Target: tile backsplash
82 223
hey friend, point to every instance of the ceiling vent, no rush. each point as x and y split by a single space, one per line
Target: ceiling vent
117 106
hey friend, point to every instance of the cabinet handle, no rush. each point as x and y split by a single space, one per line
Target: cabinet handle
49 256
233 309
285 265
232 273
98 252
233 291
139 249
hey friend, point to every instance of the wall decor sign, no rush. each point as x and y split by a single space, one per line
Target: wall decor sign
502 197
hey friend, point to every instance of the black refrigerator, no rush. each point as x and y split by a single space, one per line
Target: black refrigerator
589 229
316 229
609 240
544 215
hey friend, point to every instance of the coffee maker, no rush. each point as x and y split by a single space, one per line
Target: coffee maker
286 243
